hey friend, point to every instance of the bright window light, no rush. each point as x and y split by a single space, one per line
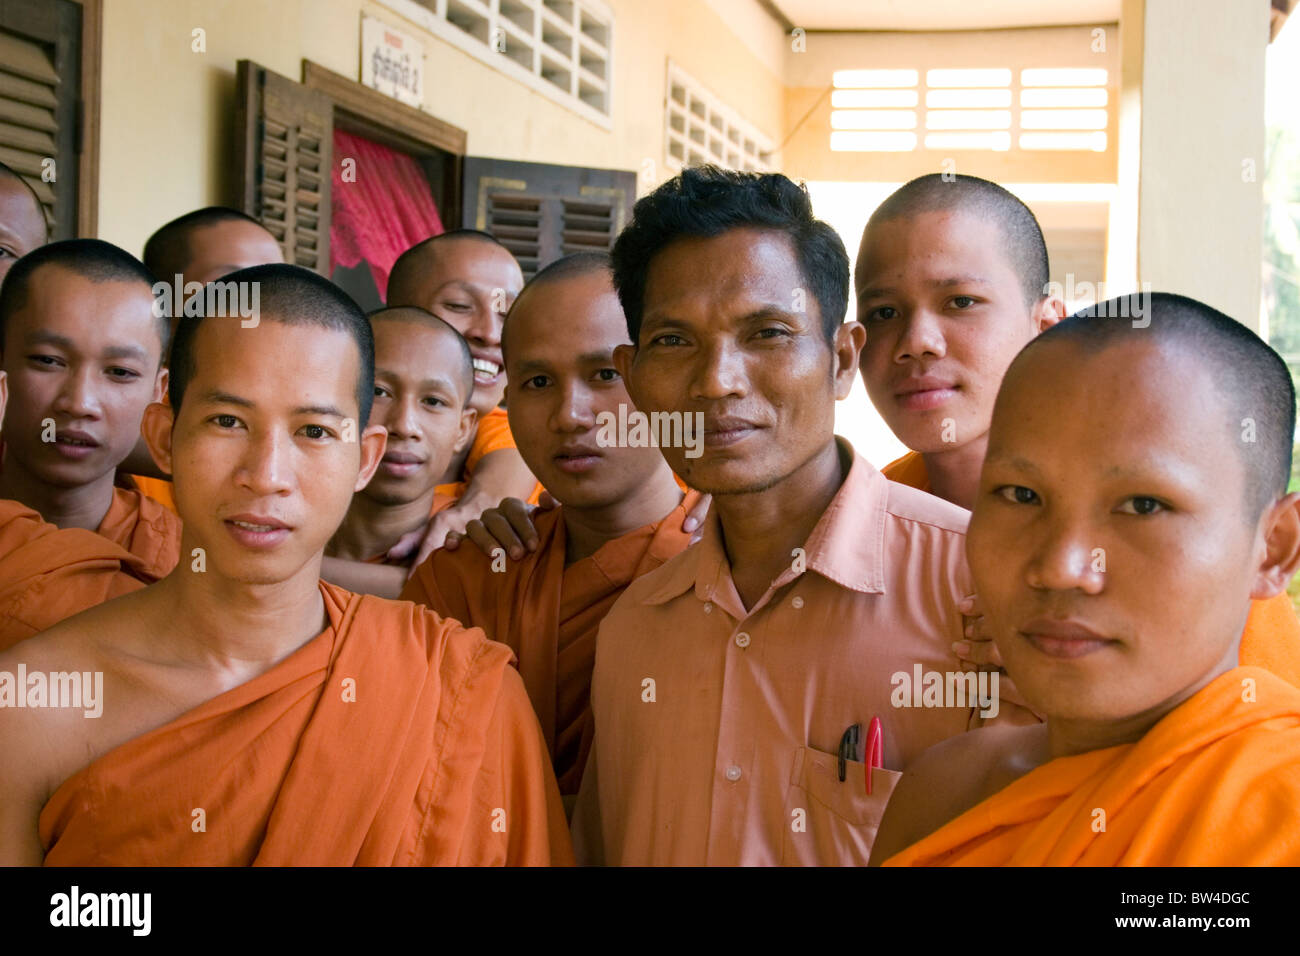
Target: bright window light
846 141
1052 76
966 99
874 78
871 99
1000 142
1093 141
873 119
1097 96
1063 119
968 119
997 77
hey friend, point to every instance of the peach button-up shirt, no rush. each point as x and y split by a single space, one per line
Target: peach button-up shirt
717 728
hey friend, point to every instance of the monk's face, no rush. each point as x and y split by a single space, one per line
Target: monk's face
225 247
470 284
83 364
722 335
22 225
420 400
945 314
264 452
1111 544
562 337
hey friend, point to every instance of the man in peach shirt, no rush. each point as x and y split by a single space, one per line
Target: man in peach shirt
819 593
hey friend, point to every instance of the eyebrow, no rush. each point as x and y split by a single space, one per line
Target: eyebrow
950 281
1012 461
45 337
437 381
216 396
769 311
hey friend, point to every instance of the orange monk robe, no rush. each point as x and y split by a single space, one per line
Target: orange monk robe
394 737
1271 638
48 574
549 615
159 489
1215 783
145 528
491 434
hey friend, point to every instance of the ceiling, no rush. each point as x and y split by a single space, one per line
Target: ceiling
942 14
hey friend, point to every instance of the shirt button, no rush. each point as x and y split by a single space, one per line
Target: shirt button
742 639
708 609
733 773
797 602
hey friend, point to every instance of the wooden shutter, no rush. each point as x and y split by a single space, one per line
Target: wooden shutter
40 79
285 147
542 212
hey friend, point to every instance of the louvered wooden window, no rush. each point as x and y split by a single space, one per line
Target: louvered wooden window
40 98
284 135
542 212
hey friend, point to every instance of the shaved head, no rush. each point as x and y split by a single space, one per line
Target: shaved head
569 267
947 192
406 272
1255 388
416 316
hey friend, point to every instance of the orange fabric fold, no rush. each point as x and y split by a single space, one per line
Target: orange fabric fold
549 615
1215 783
48 574
1271 638
159 489
436 760
146 528
491 434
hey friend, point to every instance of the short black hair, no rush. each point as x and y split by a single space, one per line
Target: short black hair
1254 380
9 172
941 192
706 201
411 262
415 315
572 266
92 259
167 251
294 296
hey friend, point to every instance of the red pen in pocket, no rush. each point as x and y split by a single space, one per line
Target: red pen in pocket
874 756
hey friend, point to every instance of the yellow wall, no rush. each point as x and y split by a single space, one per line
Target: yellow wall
167 112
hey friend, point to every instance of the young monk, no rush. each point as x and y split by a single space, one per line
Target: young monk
952 281
423 384
1166 449
621 516
255 714
83 349
200 246
726 680
22 219
49 573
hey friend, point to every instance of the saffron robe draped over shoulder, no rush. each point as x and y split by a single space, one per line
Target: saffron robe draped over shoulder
49 573
1215 783
146 528
549 614
1271 638
394 737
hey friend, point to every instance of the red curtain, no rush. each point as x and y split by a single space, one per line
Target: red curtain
381 213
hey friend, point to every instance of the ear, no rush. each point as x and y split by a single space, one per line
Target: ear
373 442
160 384
468 424
1282 548
850 337
1049 310
156 427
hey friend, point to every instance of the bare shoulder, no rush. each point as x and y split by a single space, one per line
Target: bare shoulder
947 780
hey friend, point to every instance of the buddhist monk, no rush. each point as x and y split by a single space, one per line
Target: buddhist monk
196 248
254 714
423 384
621 511
49 573
23 226
83 349
952 281
1132 505
728 682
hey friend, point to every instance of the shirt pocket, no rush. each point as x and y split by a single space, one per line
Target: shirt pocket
829 823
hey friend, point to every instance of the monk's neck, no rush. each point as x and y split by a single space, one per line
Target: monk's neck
81 507
587 530
456 467
1066 738
955 473
371 528
760 530
219 623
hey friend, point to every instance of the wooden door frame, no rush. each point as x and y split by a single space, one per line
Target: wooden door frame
92 36
369 113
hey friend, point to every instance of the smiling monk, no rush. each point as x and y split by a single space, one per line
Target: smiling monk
254 714
1132 505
